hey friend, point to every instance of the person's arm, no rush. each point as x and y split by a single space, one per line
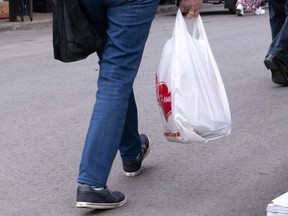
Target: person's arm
190 8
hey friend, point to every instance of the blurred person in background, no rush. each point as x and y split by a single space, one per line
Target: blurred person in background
249 5
277 56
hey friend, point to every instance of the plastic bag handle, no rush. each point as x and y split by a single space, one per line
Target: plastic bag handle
197 31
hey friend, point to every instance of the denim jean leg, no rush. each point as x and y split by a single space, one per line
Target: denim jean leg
278 10
276 16
128 24
130 145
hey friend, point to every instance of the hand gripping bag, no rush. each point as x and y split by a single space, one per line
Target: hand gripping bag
189 88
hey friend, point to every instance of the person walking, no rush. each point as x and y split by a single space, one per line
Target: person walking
124 27
276 59
249 5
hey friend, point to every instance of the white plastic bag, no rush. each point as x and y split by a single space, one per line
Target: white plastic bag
189 88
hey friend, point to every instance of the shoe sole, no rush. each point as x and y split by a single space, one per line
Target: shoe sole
100 205
278 76
136 173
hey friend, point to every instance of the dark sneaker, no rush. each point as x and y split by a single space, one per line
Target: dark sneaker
87 197
278 70
132 168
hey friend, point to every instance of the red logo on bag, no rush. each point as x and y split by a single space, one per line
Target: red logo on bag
172 134
164 98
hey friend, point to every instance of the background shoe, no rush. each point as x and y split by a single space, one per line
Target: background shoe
278 69
87 197
259 11
239 10
132 168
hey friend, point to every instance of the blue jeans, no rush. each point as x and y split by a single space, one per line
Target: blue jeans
278 11
124 25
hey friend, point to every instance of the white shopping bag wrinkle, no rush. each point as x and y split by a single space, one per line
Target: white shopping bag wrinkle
190 91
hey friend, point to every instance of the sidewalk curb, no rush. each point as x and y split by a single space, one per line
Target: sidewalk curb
45 20
12 26
167 9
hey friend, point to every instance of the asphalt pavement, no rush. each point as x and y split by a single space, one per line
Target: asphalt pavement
45 108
